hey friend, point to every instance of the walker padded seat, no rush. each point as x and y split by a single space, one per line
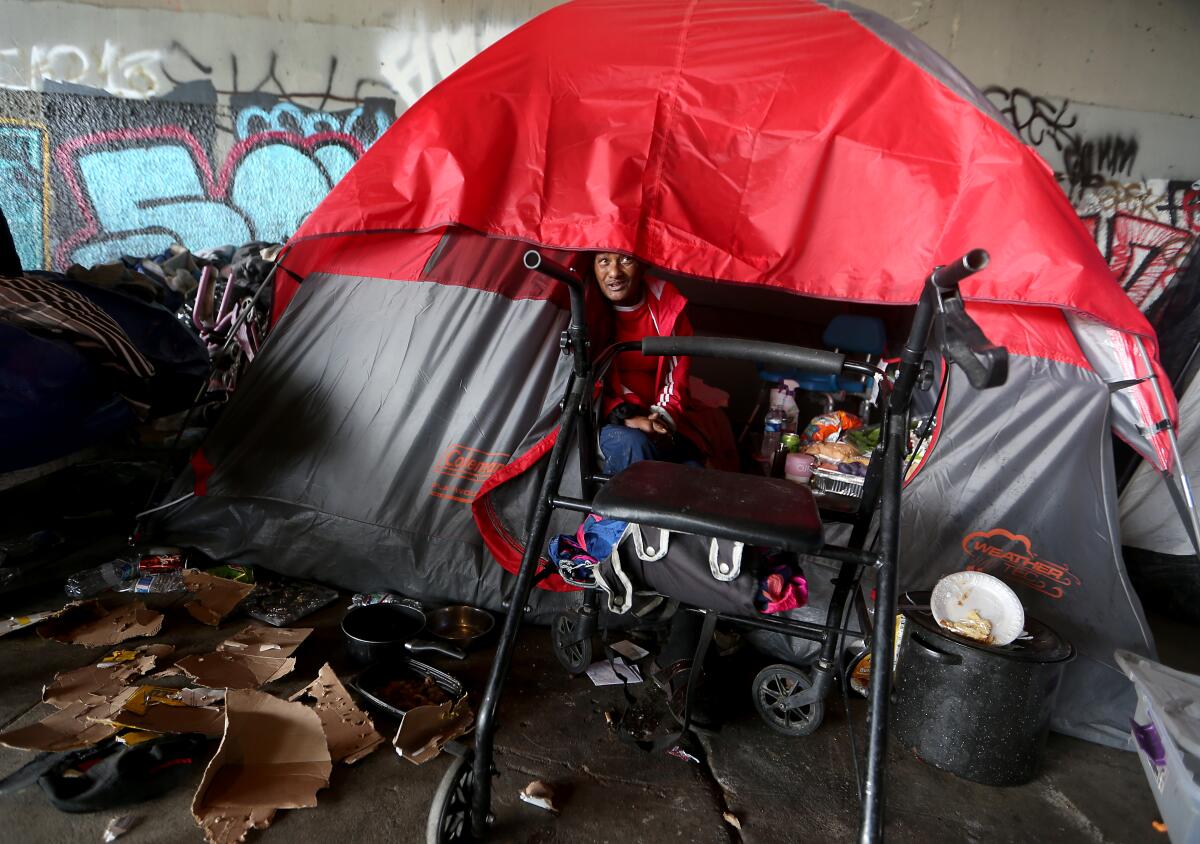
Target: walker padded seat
707 502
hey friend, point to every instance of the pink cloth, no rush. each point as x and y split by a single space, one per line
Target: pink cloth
783 593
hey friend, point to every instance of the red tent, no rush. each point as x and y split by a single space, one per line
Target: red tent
784 147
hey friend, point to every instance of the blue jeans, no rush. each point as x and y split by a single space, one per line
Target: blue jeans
622 446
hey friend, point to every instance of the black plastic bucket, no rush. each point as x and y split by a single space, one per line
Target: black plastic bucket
981 712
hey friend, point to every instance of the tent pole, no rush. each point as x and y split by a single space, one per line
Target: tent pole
1181 495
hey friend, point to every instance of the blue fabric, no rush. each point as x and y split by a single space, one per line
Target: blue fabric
577 556
623 446
51 402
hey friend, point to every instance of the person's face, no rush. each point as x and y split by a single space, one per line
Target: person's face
619 277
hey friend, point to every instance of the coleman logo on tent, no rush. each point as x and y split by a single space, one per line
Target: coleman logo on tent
465 464
994 549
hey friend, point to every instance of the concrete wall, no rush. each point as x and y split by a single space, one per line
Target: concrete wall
131 124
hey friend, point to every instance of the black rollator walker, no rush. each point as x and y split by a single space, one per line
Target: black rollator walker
757 511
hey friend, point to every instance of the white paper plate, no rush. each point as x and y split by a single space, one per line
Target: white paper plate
955 595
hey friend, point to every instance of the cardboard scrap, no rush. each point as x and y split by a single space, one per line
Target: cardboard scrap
87 700
97 684
216 597
426 729
348 730
158 709
90 624
273 756
254 657
69 728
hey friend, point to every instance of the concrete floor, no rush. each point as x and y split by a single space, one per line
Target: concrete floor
553 728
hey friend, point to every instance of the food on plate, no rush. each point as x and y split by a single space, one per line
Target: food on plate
974 626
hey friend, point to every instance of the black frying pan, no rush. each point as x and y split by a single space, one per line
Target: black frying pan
378 631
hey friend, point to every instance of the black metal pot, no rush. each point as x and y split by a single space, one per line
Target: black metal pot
379 631
981 712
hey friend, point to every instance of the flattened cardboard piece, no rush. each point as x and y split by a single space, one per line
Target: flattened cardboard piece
158 709
349 731
216 597
100 683
426 729
91 625
261 640
222 670
273 756
69 728
254 657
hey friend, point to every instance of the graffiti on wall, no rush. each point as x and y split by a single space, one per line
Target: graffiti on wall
1087 161
130 150
1146 229
25 187
133 178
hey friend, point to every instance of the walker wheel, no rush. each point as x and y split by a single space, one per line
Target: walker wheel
450 813
574 656
772 688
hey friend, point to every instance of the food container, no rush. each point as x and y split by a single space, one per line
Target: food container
979 711
1166 730
829 482
799 467
374 682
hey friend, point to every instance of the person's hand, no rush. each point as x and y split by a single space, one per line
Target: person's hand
659 423
651 425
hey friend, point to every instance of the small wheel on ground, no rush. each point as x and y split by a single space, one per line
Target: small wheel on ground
772 688
450 813
574 656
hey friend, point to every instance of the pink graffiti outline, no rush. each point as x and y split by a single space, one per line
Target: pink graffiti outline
67 153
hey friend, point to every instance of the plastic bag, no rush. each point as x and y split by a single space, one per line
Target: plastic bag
281 604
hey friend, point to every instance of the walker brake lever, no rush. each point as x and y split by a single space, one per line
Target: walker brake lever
963 342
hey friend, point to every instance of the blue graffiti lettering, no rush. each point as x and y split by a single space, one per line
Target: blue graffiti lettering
24 189
146 198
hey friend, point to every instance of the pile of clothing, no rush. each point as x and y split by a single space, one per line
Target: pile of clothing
87 355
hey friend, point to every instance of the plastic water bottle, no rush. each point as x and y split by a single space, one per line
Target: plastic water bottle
113 575
162 583
773 430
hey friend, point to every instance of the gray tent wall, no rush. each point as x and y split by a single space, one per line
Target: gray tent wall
1020 484
351 449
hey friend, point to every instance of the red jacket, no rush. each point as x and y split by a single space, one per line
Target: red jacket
666 305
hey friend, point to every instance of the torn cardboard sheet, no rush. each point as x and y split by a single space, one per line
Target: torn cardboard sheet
216 597
158 709
90 624
69 728
348 730
254 657
273 756
100 683
261 640
426 729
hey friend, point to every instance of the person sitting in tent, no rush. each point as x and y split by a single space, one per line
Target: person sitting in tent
645 398
644 404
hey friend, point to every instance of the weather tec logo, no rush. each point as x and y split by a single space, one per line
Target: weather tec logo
996 548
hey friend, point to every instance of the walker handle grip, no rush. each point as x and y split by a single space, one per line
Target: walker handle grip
778 355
